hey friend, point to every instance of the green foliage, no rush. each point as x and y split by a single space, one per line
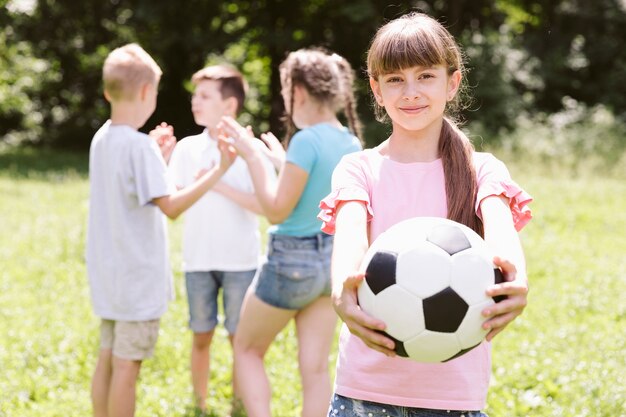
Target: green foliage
524 56
563 356
578 141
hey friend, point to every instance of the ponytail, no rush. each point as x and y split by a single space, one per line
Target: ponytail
456 152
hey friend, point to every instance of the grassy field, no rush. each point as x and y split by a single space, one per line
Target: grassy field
564 357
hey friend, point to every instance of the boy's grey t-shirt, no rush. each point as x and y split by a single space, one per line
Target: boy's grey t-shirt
127 250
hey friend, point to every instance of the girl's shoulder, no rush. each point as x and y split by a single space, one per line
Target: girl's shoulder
487 160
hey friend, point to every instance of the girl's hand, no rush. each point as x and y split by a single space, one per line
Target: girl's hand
515 289
274 149
360 323
238 137
163 134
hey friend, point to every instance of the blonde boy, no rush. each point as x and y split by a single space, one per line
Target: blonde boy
127 251
220 236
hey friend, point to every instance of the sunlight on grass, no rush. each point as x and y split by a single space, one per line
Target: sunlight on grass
564 356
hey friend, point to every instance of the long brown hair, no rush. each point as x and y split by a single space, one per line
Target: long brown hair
415 40
327 77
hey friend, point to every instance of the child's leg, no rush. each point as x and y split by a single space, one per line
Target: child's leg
202 291
123 387
101 380
235 284
258 326
133 342
100 384
315 325
200 366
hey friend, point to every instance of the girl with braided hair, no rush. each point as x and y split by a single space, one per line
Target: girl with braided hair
294 281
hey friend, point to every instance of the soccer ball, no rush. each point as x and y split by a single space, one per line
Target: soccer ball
426 278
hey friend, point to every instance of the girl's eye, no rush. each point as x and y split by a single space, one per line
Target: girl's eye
394 79
426 76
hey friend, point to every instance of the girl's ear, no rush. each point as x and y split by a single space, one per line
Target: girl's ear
300 94
454 81
107 96
376 90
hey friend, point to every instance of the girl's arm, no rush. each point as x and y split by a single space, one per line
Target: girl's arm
274 149
277 200
246 200
501 236
350 244
175 204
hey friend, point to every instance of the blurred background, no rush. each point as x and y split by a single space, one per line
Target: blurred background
545 74
548 81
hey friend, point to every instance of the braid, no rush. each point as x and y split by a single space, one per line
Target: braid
328 79
347 77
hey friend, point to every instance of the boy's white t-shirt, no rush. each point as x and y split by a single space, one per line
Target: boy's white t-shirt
218 234
127 249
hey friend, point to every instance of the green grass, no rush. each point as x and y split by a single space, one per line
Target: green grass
563 357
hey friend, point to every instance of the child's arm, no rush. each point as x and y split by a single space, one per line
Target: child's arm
501 236
277 201
274 149
246 200
175 204
349 247
163 134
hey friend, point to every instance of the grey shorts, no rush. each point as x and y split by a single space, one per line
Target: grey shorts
131 340
297 271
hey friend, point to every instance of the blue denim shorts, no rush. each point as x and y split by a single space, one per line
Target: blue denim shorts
297 271
202 295
347 407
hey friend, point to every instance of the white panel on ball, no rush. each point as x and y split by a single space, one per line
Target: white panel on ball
470 332
471 274
401 311
424 270
432 346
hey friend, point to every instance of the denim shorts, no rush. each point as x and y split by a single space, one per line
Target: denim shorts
297 271
347 407
202 295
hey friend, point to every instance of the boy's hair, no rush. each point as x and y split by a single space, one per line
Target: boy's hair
328 78
417 39
232 83
126 69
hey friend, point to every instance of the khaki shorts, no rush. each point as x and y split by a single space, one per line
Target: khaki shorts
131 340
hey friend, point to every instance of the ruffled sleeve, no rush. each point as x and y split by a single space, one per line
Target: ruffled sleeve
329 205
494 180
518 201
349 183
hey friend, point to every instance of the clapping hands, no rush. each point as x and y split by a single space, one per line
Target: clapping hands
163 134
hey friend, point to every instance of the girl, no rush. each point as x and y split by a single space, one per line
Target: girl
294 282
427 167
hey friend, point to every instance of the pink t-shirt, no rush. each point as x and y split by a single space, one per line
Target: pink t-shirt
393 192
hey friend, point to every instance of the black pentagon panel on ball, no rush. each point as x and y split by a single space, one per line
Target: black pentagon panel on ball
444 311
399 346
381 271
449 238
498 278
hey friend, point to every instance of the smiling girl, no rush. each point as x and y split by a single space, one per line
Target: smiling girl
427 167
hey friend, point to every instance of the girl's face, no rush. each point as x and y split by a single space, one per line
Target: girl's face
415 98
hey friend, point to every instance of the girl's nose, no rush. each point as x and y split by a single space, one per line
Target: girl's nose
411 91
